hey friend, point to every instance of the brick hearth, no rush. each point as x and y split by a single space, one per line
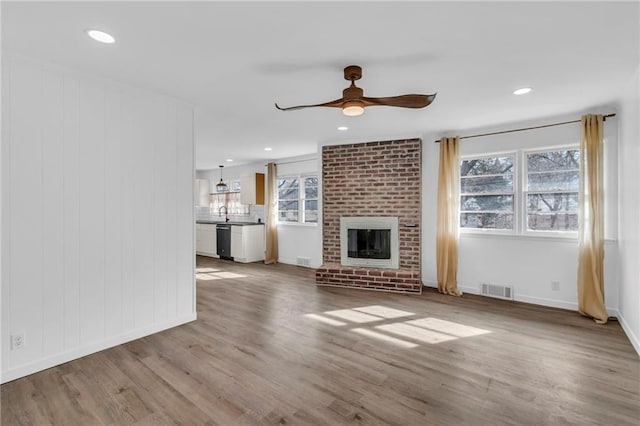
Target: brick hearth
372 179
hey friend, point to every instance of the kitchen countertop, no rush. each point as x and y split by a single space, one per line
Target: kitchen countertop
216 222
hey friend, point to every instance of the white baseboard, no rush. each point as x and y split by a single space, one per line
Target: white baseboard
295 263
552 303
635 341
78 352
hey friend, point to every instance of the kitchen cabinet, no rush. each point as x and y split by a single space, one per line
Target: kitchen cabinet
252 189
247 243
206 244
201 191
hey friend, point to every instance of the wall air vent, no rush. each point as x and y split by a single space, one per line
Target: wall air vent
499 291
303 261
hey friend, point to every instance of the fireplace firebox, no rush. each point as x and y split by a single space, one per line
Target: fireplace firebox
369 241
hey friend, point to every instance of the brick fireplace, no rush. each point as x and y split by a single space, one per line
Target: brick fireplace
369 180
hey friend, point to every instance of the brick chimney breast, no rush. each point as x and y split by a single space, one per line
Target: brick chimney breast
373 179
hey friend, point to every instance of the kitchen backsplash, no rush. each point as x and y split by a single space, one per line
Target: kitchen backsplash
255 212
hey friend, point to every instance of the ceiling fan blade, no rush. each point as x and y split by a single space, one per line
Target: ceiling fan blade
404 101
336 104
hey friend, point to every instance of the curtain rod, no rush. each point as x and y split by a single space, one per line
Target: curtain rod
527 128
296 161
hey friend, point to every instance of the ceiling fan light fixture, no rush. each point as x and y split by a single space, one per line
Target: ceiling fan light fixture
353 108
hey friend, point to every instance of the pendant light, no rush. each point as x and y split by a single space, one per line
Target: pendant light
221 186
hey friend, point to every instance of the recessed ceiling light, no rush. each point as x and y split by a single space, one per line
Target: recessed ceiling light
101 36
268 149
522 91
343 128
229 160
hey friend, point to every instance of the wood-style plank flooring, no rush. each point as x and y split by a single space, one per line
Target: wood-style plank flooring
265 350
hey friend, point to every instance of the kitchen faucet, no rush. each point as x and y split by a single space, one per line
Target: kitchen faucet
226 213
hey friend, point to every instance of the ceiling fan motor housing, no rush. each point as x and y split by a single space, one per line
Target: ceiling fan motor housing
352 92
352 72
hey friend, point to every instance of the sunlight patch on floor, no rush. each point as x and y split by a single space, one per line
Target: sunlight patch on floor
383 311
384 337
229 275
448 327
205 270
207 277
412 332
353 316
217 275
416 333
325 320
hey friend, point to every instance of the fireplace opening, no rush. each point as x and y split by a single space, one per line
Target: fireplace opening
369 243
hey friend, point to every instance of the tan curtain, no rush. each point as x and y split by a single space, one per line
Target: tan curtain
447 221
591 229
271 253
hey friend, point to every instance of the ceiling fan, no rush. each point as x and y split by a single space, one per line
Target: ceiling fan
353 100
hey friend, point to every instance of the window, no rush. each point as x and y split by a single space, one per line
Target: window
541 197
298 199
288 200
487 193
553 180
310 203
230 200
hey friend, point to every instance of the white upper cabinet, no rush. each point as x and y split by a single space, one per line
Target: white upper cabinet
252 189
201 192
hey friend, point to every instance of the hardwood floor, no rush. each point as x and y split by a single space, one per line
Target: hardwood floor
266 350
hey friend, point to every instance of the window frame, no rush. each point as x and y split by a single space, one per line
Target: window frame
516 195
301 199
525 192
520 192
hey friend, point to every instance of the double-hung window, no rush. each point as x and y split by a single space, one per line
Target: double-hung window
487 192
540 197
310 200
552 185
298 199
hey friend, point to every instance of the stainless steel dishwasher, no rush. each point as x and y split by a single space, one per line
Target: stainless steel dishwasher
223 237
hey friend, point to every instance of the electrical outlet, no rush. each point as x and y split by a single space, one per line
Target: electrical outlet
17 341
555 285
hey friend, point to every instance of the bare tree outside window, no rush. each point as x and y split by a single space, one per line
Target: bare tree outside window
310 200
487 193
288 200
298 199
553 180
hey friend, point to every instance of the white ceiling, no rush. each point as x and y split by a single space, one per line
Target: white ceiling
233 60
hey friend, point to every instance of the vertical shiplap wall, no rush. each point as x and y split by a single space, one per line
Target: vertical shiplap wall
97 223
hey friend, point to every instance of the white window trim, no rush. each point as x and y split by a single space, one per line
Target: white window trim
301 199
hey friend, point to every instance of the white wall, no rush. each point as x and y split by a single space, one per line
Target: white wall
97 224
629 196
529 264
